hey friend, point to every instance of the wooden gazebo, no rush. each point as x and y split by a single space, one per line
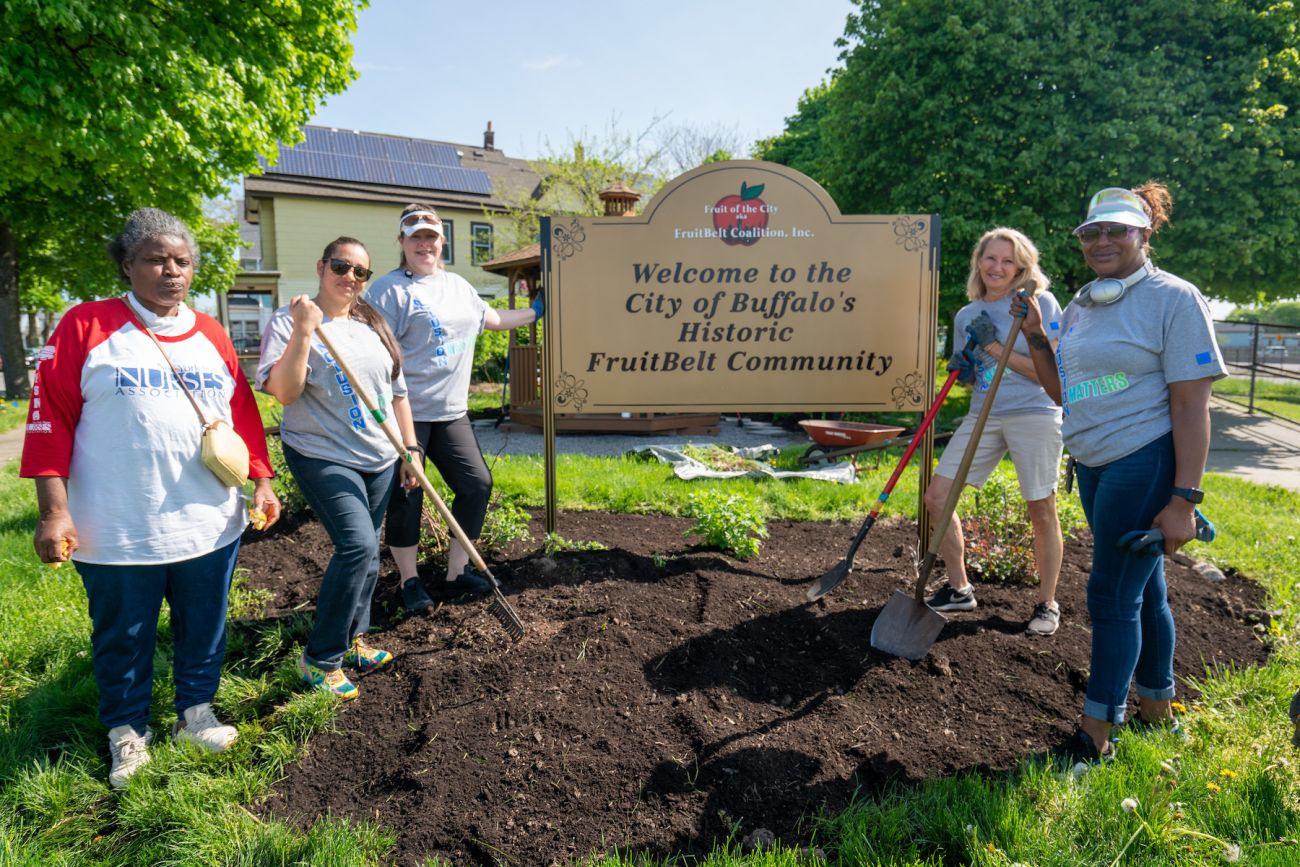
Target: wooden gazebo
523 272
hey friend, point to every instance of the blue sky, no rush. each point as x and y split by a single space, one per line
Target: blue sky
541 72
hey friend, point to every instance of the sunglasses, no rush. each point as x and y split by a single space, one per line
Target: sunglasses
343 266
1114 233
419 217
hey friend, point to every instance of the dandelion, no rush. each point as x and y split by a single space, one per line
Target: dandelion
1167 767
1178 707
1128 805
1228 774
1214 787
258 518
991 848
970 829
1231 853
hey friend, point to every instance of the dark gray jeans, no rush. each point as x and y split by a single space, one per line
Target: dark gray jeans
350 504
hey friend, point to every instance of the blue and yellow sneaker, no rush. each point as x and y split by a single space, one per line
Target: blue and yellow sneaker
330 681
363 657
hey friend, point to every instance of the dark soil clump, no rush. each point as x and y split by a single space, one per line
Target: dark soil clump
666 695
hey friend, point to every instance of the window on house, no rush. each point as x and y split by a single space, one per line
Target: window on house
448 242
480 242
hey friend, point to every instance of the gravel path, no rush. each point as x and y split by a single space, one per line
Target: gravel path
749 433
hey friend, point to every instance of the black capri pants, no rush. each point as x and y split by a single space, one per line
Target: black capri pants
454 451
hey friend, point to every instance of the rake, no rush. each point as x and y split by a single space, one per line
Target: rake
498 607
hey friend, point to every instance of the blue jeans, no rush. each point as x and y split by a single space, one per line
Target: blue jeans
350 504
1132 627
124 605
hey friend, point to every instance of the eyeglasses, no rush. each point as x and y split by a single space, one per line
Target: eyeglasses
1091 234
343 266
419 217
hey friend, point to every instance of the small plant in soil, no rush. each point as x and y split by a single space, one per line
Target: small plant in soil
727 521
246 602
999 535
506 522
555 543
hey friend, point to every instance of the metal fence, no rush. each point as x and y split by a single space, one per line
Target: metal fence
1266 357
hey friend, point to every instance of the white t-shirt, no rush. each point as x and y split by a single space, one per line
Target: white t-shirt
436 319
107 413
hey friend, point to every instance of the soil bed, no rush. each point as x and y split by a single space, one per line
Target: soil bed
665 695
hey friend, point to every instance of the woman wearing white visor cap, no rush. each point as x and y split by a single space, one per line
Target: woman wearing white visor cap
437 316
1137 357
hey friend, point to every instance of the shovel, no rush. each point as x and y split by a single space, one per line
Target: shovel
836 575
498 607
907 627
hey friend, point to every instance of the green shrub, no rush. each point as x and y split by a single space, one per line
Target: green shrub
490 349
999 535
556 543
727 521
284 484
506 522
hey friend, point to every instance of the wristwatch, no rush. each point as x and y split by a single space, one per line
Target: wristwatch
1191 495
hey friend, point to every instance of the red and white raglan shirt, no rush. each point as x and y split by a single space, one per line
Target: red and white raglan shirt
108 414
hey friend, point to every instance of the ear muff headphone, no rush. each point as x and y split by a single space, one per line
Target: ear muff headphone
1108 290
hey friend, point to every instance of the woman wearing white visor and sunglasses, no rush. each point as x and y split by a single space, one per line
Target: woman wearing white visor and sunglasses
437 316
1136 359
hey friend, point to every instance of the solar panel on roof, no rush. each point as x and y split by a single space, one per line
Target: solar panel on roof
378 159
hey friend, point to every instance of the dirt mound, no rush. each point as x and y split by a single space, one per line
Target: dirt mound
665 695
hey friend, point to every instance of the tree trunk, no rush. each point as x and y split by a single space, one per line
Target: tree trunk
17 384
31 337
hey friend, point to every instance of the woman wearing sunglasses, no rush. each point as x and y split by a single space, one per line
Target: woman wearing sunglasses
437 316
1137 357
335 449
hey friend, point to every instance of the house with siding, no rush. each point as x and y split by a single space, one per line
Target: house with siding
345 182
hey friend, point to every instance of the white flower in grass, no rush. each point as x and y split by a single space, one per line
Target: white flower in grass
1128 805
1231 853
1167 767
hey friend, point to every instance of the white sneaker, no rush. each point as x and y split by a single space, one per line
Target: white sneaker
199 725
130 753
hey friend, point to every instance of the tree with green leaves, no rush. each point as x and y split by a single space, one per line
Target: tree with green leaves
1015 113
1276 313
112 106
571 179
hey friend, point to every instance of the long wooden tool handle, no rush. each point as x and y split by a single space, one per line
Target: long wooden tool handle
959 481
396 440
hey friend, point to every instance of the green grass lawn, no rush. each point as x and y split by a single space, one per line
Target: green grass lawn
13 414
1236 784
1278 398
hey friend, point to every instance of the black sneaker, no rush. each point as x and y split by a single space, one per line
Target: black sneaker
1295 717
1080 749
948 599
467 583
413 596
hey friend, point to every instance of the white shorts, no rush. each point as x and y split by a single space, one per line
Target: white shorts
1034 440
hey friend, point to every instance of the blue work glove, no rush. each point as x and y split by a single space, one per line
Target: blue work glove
964 362
982 330
1151 543
538 305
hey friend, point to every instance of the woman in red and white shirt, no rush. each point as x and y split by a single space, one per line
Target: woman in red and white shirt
114 446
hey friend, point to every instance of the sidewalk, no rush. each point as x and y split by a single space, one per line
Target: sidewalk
1256 448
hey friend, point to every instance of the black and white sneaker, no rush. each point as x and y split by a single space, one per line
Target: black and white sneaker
1045 619
948 599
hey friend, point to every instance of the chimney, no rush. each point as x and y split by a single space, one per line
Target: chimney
489 138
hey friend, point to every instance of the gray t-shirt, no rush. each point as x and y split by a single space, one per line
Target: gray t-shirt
436 319
1116 362
1017 393
328 421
